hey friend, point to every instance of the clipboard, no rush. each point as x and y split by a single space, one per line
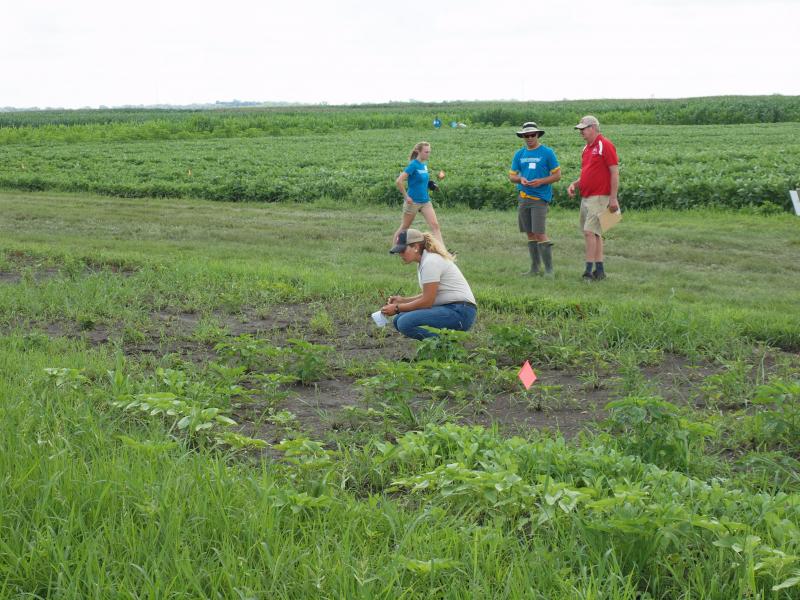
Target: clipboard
608 219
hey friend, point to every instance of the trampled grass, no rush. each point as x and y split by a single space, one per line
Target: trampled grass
100 501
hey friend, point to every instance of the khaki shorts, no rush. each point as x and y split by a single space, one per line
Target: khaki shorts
412 208
591 209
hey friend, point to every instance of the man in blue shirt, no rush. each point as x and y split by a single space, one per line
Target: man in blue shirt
534 169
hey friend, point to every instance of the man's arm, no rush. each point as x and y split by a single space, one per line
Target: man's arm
573 186
613 203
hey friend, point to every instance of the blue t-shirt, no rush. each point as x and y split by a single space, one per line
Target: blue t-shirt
535 164
417 181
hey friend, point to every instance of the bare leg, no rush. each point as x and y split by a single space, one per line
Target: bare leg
433 223
405 222
594 246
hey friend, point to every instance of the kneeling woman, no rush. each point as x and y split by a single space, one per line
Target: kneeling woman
446 301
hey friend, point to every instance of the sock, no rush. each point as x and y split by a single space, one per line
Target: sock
598 267
588 267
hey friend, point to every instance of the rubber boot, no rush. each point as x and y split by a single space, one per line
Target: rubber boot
536 259
546 251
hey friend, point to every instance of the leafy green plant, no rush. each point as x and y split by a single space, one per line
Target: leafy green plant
271 385
238 441
394 383
518 343
187 416
252 352
306 361
67 377
446 345
654 429
321 323
729 388
312 464
284 419
779 425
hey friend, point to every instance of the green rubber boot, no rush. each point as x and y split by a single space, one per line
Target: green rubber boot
536 259
546 252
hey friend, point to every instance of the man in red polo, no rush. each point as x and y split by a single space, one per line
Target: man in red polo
598 183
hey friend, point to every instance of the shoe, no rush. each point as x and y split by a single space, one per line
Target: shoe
531 273
598 275
587 277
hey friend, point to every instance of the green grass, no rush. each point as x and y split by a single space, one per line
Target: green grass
97 501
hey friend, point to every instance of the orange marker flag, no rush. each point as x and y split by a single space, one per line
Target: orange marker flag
526 375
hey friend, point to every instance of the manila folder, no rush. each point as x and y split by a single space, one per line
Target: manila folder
608 219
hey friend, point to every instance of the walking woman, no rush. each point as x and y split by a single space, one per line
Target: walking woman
416 198
446 301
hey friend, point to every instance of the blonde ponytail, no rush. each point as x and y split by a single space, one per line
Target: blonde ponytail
432 244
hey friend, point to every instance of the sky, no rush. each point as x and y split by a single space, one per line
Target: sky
88 53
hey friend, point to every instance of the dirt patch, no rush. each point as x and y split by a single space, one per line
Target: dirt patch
37 269
565 401
9 277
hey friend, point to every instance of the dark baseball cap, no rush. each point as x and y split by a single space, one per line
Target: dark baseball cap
406 237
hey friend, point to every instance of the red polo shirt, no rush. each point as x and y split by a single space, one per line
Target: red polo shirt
597 157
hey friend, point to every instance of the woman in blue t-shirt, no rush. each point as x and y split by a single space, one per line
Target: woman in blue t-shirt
416 199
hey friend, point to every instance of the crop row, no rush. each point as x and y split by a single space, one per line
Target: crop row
163 124
661 166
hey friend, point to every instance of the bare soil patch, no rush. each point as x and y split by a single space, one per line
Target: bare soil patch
570 405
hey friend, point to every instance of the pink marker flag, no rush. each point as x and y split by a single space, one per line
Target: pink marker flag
526 375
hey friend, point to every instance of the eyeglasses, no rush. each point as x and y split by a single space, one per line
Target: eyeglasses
530 135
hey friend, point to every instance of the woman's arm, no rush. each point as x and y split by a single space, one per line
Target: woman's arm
400 182
398 299
423 300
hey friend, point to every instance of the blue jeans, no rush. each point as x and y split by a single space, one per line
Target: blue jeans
458 316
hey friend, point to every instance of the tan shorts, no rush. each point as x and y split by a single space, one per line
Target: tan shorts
591 209
412 208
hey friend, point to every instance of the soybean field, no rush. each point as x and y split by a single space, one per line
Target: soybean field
355 154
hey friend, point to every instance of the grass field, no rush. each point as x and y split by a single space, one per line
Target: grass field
194 403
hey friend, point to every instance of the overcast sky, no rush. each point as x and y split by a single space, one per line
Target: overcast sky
91 53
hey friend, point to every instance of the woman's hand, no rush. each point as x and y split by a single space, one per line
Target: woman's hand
389 309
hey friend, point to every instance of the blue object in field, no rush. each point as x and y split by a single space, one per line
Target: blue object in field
437 123
453 124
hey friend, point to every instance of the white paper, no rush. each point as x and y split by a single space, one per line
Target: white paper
379 318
